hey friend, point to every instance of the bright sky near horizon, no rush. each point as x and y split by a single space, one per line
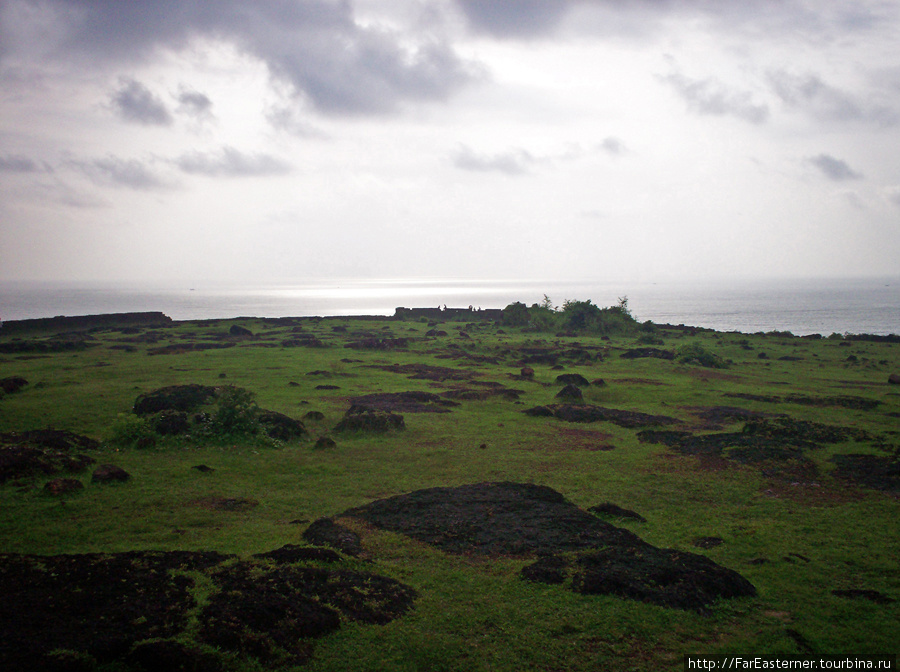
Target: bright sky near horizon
560 139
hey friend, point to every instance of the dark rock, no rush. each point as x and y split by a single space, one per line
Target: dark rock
328 387
277 613
326 531
590 413
616 511
527 372
315 416
540 412
325 443
570 393
280 426
63 486
170 422
55 439
130 611
361 419
572 379
515 519
549 569
405 402
184 398
27 461
708 542
599 382
171 656
894 379
638 353
492 519
203 468
238 330
660 576
290 553
379 344
12 384
102 604
109 473
428 372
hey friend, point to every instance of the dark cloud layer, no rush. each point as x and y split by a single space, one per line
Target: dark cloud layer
811 94
334 63
136 103
834 169
229 162
118 172
512 162
712 97
13 163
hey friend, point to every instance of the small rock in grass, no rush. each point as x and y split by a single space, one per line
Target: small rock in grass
571 393
616 511
326 531
109 473
63 486
325 442
203 468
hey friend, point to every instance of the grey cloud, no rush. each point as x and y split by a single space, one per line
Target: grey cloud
893 195
712 97
834 169
195 104
135 102
813 95
230 162
18 164
334 63
612 146
513 162
514 18
118 172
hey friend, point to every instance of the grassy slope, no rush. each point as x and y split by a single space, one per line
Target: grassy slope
474 614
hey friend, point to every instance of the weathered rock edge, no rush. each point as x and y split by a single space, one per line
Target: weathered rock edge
521 519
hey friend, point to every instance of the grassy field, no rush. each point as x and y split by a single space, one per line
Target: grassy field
789 515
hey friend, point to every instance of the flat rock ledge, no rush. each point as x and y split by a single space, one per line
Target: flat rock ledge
590 555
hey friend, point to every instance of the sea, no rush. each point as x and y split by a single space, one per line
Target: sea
800 306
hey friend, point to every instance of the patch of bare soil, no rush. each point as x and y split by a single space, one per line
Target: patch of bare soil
573 438
483 390
590 413
775 445
715 417
362 419
405 402
519 519
879 472
428 372
43 452
840 401
101 609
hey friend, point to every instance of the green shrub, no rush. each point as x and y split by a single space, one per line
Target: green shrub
131 431
696 355
235 414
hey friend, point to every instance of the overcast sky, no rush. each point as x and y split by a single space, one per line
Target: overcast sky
279 140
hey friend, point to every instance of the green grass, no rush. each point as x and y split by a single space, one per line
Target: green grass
474 614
